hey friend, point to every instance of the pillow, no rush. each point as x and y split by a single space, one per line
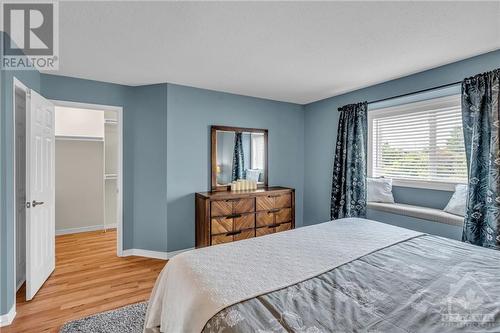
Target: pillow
458 201
253 174
379 190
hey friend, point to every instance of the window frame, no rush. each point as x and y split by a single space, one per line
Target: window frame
439 102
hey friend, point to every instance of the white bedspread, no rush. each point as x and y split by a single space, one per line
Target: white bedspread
196 285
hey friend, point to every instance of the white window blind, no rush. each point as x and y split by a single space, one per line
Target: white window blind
419 143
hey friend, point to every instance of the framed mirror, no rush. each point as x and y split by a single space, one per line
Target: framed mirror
238 153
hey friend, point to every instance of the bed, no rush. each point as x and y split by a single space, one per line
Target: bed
349 275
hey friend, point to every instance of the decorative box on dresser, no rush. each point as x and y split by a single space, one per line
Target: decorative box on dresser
226 216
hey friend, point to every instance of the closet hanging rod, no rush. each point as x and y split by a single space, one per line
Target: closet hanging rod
79 138
414 92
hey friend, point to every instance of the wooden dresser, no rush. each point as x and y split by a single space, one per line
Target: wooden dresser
225 216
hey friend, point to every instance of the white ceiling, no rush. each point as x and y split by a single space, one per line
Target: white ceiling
289 51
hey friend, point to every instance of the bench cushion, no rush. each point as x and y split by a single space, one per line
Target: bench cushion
425 213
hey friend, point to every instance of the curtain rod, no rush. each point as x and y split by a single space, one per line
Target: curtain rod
413 93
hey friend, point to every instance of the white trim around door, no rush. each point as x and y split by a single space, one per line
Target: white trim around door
8 318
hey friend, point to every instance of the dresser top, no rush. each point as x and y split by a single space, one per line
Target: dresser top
214 195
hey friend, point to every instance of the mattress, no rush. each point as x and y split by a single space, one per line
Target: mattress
348 275
425 284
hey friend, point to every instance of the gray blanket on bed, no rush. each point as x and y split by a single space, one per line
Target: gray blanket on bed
426 284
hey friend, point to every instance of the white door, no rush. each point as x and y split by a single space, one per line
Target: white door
40 227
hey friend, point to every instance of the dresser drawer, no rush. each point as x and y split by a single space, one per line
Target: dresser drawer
264 231
268 202
283 215
221 225
283 201
284 227
244 205
244 235
264 218
220 239
234 222
232 236
221 208
273 228
274 216
232 206
246 221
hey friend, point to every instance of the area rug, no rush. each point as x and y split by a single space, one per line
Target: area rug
129 319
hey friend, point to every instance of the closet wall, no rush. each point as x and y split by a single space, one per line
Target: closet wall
86 150
79 185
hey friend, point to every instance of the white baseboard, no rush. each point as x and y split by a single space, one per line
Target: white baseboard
8 318
153 254
84 229
172 254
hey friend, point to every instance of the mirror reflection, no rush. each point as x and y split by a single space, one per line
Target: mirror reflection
240 155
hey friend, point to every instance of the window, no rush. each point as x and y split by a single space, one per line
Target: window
418 144
257 161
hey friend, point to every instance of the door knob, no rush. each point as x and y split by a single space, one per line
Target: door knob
36 203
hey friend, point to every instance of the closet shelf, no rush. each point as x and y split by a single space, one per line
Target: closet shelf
79 138
110 176
110 122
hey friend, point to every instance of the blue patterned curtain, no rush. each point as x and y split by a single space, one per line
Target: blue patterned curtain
238 157
480 116
349 168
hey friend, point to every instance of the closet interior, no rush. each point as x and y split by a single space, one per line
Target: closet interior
86 169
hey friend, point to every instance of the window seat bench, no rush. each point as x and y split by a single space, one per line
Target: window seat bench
424 213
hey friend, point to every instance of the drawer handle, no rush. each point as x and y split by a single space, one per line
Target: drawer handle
273 211
274 225
233 216
232 233
232 200
273 196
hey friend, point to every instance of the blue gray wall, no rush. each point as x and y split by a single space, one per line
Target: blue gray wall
191 111
321 120
145 167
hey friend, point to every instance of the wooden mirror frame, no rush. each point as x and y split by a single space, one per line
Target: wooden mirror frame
213 153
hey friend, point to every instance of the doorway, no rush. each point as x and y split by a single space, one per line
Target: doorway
111 178
89 143
86 148
20 98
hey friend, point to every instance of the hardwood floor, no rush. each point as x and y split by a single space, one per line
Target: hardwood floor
89 278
